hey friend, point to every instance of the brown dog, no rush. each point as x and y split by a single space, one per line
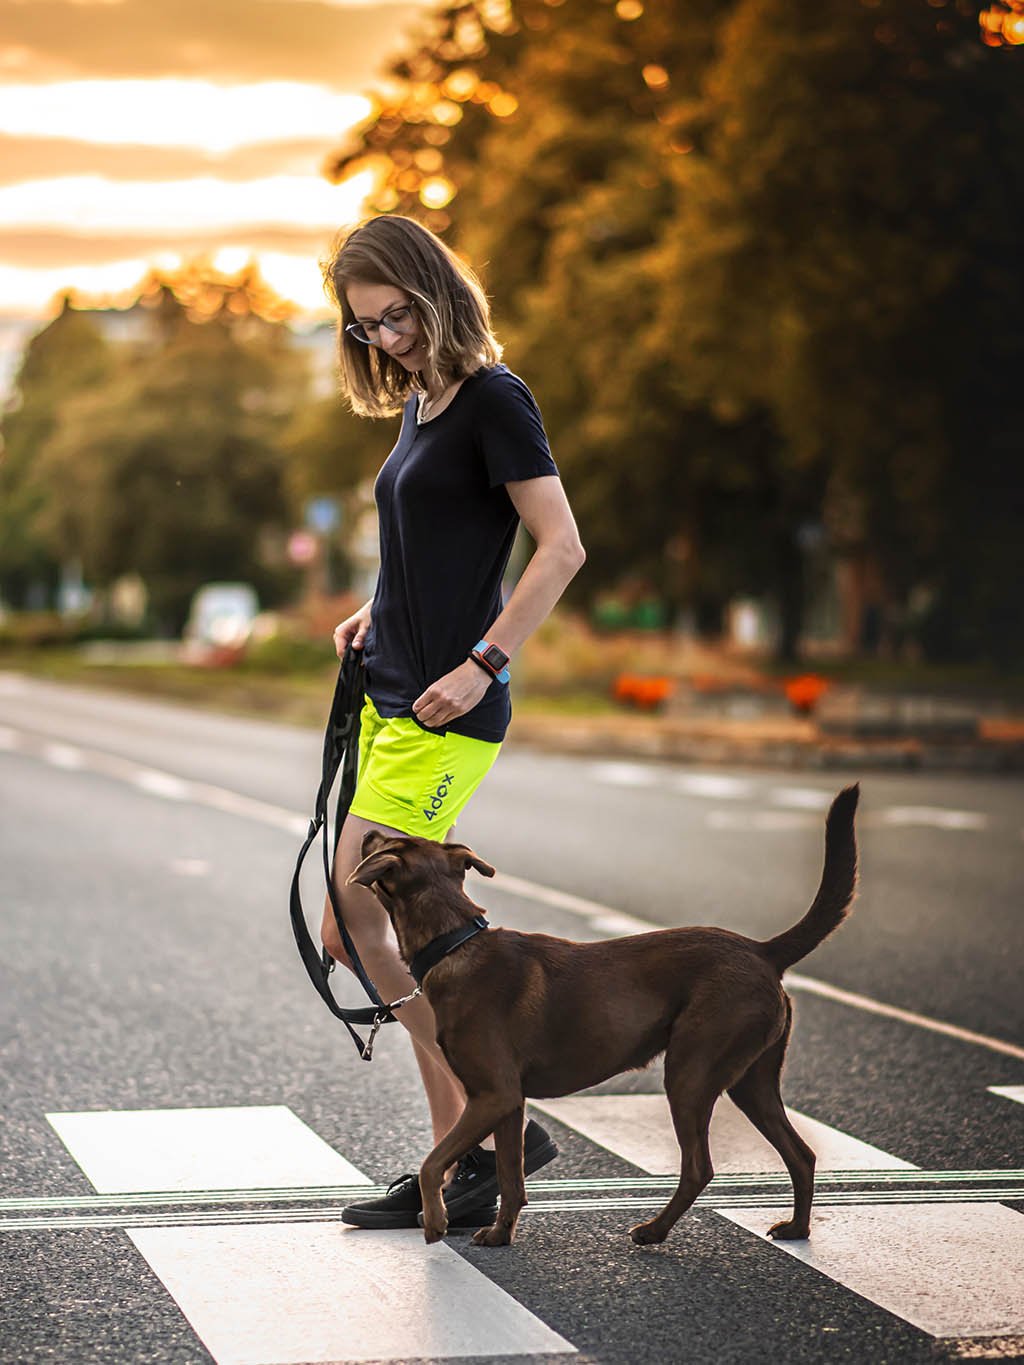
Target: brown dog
528 1015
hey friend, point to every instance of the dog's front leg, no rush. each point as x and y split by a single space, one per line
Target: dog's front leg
480 1117
508 1148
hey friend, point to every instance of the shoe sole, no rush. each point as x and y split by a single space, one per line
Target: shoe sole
532 1161
474 1217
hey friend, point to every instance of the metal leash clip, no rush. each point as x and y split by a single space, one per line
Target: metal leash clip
380 1017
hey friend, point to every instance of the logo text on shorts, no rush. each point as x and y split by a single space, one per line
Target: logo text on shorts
437 800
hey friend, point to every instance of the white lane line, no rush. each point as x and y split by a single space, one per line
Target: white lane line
624 774
933 817
258 1147
162 784
315 1292
638 1128
797 982
801 798
280 818
190 867
715 785
1009 1092
952 1270
559 900
761 819
64 756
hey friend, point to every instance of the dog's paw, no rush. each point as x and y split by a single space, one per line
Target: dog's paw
789 1232
434 1233
644 1234
496 1236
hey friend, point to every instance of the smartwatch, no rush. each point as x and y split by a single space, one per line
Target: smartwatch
492 659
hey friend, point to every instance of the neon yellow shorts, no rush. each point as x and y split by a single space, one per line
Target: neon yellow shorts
413 780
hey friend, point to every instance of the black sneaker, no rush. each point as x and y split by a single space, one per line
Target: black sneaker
476 1178
400 1207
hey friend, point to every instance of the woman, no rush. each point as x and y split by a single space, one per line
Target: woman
471 461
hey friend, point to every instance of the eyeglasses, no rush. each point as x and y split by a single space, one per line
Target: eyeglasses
399 320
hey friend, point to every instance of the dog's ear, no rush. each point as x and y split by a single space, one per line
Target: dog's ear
373 838
371 869
464 858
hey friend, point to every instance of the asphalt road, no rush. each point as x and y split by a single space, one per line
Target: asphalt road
146 964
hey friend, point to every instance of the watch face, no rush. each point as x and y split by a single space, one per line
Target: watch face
495 657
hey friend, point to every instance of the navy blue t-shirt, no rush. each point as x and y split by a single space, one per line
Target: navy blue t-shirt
447 525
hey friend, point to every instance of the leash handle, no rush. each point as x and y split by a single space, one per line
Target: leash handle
341 751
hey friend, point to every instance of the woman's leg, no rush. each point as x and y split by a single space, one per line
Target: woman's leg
367 923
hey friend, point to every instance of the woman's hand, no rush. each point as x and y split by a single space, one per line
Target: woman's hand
451 696
353 631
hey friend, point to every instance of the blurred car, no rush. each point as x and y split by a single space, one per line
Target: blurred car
222 615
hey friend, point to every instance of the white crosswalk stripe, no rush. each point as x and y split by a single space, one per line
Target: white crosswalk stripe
953 1270
251 1273
638 1128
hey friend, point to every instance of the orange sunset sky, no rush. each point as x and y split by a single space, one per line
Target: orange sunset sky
141 132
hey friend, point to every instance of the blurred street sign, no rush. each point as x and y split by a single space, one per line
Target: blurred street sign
302 547
323 515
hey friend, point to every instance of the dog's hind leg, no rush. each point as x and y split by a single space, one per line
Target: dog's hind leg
692 1086
508 1148
757 1095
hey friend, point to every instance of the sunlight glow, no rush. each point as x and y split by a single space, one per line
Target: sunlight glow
178 113
116 283
92 204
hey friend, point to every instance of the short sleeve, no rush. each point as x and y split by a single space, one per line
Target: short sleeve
510 431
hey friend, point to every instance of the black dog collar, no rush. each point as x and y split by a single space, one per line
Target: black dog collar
441 946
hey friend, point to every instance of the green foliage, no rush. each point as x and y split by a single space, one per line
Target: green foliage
66 358
165 458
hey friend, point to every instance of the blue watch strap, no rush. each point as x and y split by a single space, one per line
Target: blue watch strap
476 654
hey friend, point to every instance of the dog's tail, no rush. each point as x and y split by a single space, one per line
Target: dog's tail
835 894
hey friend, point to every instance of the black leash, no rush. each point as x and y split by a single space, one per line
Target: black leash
341 751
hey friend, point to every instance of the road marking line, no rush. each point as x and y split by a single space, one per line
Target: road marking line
624 774
200 1149
714 785
713 1199
936 817
191 867
64 756
254 1294
910 1183
952 1271
1009 1092
280 818
801 798
761 819
638 1128
797 982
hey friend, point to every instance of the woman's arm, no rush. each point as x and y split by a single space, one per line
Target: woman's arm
545 512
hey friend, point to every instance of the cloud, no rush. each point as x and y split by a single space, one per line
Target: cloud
54 249
344 46
29 158
177 113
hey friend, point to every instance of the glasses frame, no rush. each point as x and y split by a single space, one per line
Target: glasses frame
358 329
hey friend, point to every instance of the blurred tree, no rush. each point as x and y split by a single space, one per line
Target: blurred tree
843 258
173 467
758 262
66 357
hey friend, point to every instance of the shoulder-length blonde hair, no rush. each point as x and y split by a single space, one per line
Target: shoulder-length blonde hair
448 299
